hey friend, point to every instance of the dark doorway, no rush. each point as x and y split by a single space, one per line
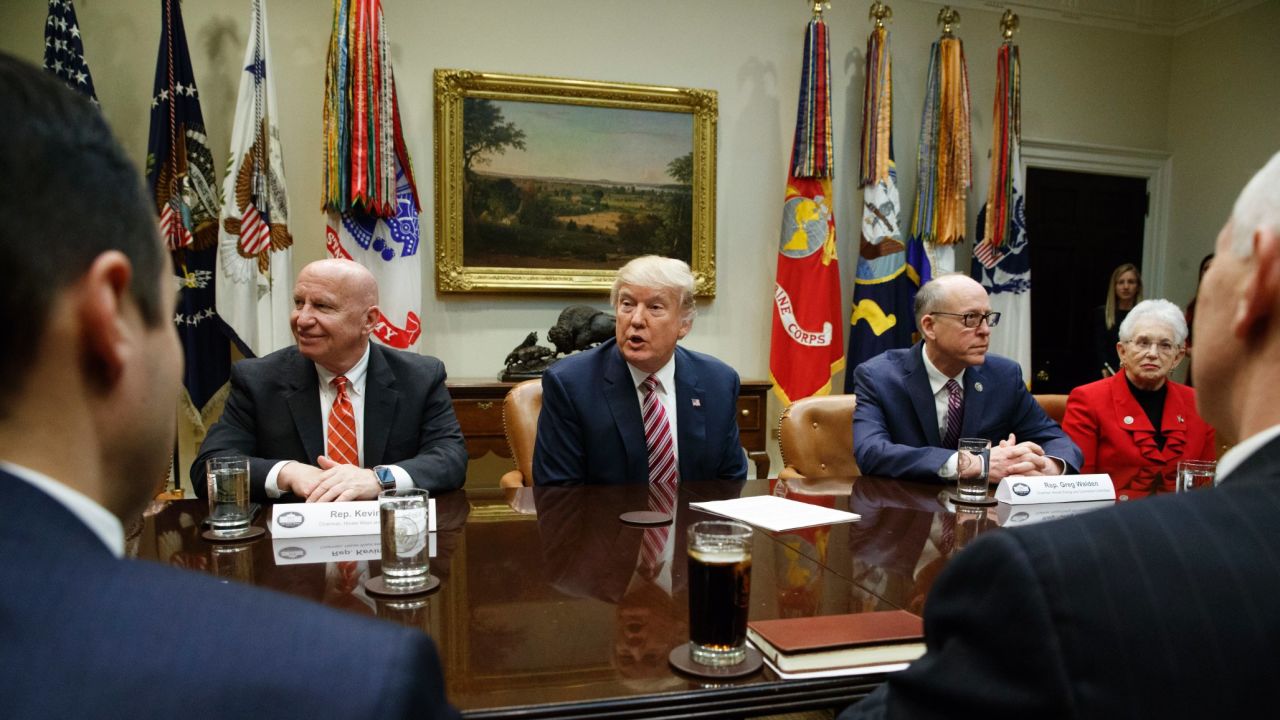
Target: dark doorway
1081 227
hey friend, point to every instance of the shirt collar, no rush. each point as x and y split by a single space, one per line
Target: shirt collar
1234 457
355 376
666 375
936 379
100 520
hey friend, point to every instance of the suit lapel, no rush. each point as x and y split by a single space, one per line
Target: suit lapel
691 423
380 400
975 403
922 397
620 395
304 406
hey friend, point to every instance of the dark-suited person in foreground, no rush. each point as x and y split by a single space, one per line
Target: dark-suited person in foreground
289 411
92 373
915 403
591 429
1156 608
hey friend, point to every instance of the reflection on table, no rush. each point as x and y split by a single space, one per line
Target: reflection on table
545 610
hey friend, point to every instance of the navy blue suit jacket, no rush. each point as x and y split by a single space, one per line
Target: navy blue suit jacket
88 635
895 425
273 414
1156 608
590 429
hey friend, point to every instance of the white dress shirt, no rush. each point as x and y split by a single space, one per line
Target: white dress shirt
1241 452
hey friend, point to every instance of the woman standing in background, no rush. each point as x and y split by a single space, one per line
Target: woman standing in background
1123 292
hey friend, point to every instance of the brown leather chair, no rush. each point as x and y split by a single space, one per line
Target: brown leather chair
816 435
1055 406
520 410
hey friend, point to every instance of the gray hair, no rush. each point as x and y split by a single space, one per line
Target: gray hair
930 295
663 273
1160 311
1258 206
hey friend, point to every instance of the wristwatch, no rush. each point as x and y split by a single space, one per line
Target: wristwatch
385 477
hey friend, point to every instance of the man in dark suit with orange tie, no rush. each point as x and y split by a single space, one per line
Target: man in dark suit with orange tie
91 372
1161 607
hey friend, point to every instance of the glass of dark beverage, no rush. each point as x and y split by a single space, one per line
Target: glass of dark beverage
719 591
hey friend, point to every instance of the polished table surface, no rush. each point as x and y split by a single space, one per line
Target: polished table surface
541 612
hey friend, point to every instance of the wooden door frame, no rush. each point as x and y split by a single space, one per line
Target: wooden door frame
1155 166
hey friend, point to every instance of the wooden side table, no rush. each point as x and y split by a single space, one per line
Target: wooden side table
478 405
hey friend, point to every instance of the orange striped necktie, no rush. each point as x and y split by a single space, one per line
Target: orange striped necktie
341 444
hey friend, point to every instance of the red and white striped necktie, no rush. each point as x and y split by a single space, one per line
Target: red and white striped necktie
657 436
662 498
341 447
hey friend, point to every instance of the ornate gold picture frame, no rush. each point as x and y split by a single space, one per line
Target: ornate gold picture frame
548 184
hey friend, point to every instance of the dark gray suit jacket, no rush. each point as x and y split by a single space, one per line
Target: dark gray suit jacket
590 429
84 634
1157 608
273 414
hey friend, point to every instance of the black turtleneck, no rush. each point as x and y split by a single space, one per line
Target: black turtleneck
1152 402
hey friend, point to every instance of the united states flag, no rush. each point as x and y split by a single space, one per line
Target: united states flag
63 51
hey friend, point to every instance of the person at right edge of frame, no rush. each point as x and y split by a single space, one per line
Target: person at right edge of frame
1157 608
92 371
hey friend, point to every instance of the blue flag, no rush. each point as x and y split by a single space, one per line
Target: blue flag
64 51
180 174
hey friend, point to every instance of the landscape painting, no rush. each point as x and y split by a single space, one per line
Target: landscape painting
547 184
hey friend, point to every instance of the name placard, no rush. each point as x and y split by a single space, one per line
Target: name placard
1014 515
297 520
306 550
1027 490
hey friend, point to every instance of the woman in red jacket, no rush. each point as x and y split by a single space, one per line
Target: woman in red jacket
1139 418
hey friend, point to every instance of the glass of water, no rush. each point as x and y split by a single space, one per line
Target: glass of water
1196 474
228 478
974 452
405 555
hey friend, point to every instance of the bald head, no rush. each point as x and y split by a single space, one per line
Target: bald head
335 307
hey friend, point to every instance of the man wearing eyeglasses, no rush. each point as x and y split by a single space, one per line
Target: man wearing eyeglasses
915 404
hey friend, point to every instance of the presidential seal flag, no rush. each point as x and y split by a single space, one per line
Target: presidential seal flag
807 343
254 285
884 286
64 49
181 177
369 191
1001 260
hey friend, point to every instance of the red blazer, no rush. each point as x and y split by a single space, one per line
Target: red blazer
1113 431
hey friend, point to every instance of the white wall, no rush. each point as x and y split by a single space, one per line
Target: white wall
1080 84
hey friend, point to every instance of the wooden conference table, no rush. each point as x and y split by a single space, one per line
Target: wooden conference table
543 615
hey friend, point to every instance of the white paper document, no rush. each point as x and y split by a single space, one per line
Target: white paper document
836 672
775 513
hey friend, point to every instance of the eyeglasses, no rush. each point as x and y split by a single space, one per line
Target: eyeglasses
1164 347
973 319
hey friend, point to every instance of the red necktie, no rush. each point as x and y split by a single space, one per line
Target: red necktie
657 436
341 446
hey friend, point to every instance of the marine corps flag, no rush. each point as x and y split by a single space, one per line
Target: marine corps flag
369 190
1001 260
180 175
255 293
807 344
884 287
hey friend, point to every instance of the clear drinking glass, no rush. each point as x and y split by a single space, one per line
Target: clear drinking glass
973 451
405 554
228 478
1196 475
719 591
